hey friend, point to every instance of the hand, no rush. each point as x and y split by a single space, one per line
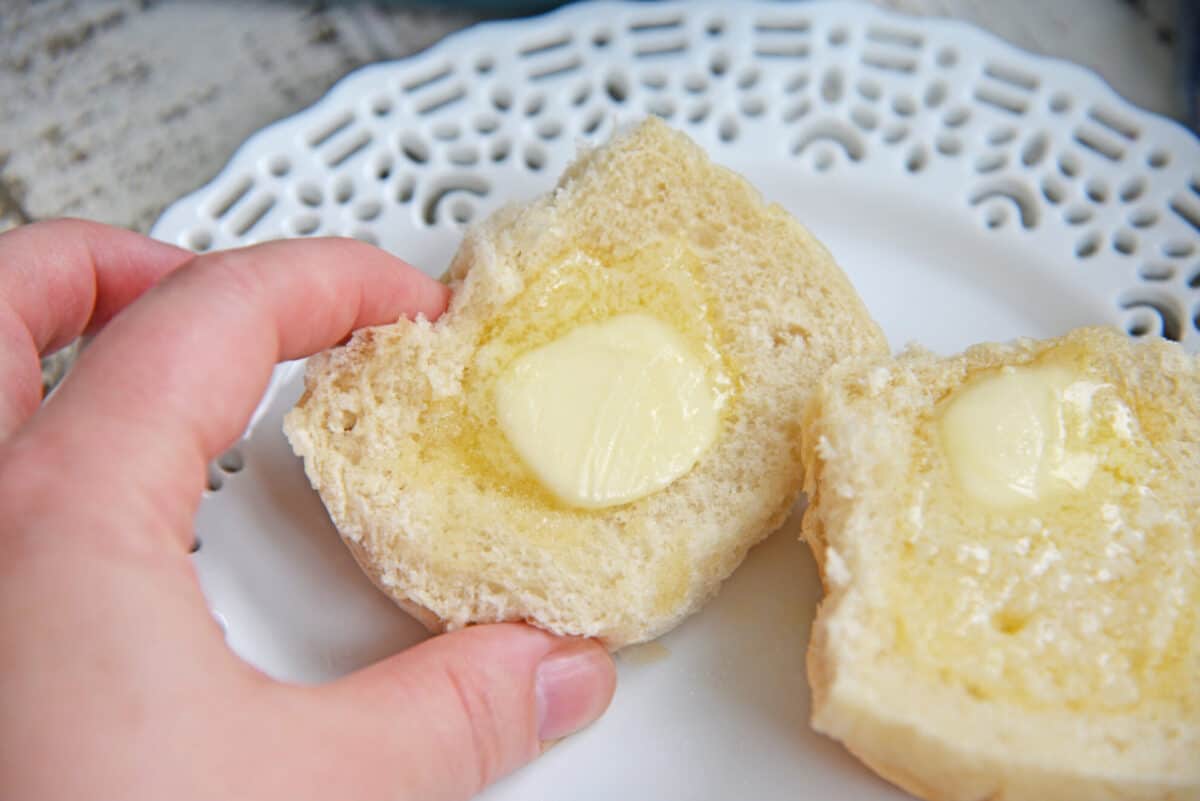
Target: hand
115 682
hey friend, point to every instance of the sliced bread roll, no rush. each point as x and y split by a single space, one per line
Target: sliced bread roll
1009 541
401 435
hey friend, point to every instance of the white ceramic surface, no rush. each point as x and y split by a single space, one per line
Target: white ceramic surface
970 191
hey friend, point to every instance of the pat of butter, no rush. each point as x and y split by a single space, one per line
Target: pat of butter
610 412
1007 435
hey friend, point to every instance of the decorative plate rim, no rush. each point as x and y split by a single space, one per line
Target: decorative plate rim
1160 309
446 43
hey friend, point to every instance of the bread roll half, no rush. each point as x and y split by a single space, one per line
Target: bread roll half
1010 545
399 433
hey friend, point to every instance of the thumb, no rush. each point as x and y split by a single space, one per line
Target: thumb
450 716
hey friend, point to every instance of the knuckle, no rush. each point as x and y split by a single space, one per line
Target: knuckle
231 272
481 718
28 476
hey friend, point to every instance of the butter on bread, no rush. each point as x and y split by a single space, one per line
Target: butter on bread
1009 541
400 434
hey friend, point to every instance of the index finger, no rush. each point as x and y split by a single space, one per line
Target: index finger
172 381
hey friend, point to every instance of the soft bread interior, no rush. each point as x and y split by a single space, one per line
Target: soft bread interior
1050 650
398 428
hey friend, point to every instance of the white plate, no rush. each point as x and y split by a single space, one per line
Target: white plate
971 192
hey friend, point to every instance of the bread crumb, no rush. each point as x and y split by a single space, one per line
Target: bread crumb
825 448
835 568
877 379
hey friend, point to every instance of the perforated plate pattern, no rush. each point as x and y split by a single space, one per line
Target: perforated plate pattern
1032 147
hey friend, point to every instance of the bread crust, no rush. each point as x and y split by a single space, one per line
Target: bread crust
935 740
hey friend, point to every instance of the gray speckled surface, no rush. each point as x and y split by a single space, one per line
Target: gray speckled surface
109 109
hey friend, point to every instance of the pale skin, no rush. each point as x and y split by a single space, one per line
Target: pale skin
115 681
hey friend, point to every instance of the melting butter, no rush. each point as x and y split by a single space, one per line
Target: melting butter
610 412
1011 436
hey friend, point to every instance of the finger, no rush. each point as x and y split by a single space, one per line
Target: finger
59 279
68 276
447 718
172 381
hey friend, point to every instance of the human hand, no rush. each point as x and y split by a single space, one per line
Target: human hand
115 681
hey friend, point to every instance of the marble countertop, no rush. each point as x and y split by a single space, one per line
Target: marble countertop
111 109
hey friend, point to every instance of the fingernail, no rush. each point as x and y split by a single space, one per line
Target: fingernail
573 686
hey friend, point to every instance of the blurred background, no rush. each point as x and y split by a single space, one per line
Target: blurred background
112 109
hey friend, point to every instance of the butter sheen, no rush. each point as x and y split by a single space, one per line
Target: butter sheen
610 412
1008 436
